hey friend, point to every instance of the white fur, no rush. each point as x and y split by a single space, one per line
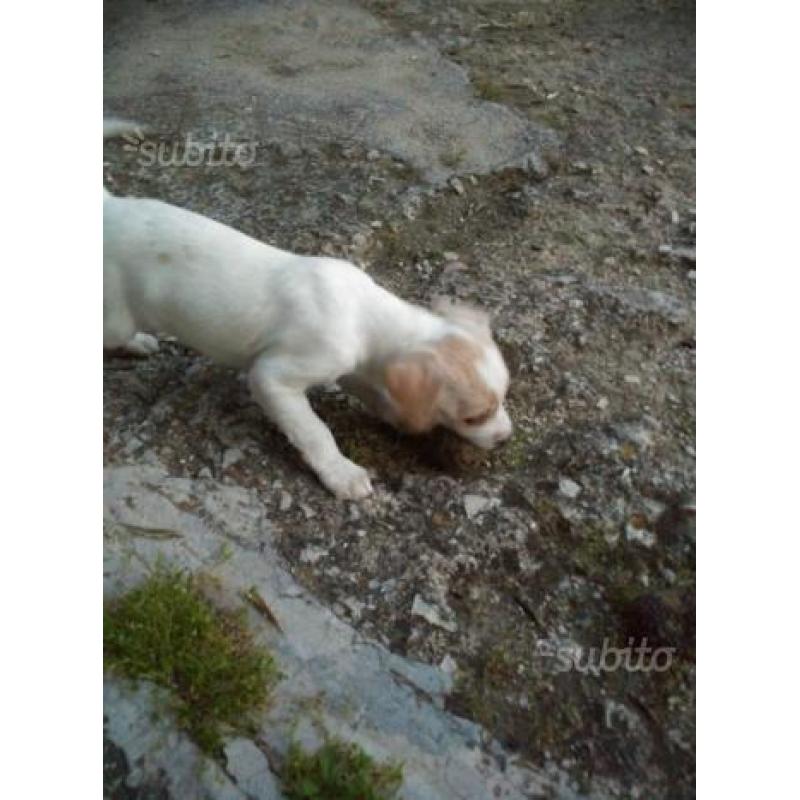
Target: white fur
291 321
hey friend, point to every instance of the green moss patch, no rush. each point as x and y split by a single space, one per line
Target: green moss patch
338 771
167 632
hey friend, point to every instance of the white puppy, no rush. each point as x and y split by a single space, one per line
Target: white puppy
293 322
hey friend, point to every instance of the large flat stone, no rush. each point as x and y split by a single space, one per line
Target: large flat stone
336 680
306 72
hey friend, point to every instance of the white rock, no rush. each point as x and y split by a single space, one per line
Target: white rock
312 554
285 501
448 665
231 456
355 607
132 445
635 432
640 535
679 253
569 488
602 403
475 504
458 187
432 614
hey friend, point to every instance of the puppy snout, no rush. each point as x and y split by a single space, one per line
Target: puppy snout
506 428
502 435
496 437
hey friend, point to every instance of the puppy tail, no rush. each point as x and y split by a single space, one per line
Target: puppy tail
114 127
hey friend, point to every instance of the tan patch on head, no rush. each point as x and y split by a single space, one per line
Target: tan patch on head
440 385
414 382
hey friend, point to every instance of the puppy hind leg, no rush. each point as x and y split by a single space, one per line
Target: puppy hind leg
142 344
124 336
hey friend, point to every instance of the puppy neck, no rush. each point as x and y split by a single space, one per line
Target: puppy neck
394 325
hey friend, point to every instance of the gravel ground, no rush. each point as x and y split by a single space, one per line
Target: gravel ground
580 530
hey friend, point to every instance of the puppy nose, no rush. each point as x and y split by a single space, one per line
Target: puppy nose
501 436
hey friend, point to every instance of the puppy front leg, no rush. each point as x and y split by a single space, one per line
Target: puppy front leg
288 407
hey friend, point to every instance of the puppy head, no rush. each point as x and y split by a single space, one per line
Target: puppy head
414 384
459 381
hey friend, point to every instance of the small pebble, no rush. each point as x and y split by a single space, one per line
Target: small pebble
569 488
448 665
475 504
458 187
231 456
312 554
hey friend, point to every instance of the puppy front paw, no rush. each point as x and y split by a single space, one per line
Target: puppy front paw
142 344
347 480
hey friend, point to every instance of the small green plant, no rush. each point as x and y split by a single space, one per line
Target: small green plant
167 632
338 771
488 90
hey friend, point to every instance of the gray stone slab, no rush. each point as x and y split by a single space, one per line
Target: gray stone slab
337 681
304 73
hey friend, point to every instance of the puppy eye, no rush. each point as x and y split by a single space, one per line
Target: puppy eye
478 419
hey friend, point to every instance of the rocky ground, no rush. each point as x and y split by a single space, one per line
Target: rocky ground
536 159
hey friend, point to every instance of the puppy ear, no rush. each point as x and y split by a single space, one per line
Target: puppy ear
414 384
473 319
